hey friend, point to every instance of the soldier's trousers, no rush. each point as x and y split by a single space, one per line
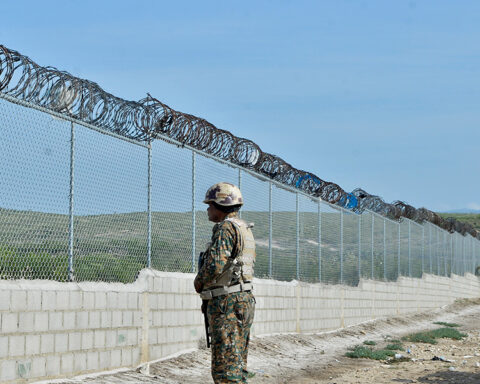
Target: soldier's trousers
230 318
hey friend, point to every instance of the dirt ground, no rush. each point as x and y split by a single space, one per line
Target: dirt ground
320 358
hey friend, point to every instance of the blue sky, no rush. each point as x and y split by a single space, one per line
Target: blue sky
381 95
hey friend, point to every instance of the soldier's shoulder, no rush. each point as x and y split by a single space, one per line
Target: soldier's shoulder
225 225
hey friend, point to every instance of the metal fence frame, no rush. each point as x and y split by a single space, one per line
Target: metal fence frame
453 253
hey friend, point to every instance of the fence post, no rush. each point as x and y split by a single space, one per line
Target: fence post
444 254
70 275
373 229
451 254
463 252
194 215
409 249
297 242
149 206
319 241
430 245
359 247
341 246
399 250
270 231
240 187
438 251
423 249
384 249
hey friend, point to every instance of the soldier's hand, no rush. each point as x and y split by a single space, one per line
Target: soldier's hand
198 285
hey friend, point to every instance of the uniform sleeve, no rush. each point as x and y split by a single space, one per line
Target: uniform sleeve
221 247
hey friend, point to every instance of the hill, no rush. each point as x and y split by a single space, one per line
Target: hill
470 218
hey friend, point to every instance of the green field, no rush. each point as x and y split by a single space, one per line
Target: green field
113 247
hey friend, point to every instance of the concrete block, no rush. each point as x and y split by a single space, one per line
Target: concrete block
61 342
133 300
47 343
62 302
74 341
24 368
8 370
9 322
25 322
116 358
135 356
152 337
137 319
162 301
39 367
122 301
104 360
19 301
82 320
53 365
122 337
170 302
157 284
80 362
99 339
69 320
55 321
94 320
75 300
92 361
100 300
49 300
34 300
3 346
117 319
126 357
16 346
89 300
32 345
157 319
112 300
106 319
127 318
110 338
132 337
87 340
5 300
66 363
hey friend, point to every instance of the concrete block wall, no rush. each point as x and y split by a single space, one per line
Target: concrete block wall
53 330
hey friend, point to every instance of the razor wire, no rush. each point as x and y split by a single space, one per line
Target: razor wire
148 118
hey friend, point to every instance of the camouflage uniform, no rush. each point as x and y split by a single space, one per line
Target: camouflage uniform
230 316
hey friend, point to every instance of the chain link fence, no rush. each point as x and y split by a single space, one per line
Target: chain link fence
78 203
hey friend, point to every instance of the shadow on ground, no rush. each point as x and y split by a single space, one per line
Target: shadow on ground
445 377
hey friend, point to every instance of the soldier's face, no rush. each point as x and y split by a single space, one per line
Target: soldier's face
214 214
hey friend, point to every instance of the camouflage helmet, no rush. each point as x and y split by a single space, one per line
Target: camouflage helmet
224 194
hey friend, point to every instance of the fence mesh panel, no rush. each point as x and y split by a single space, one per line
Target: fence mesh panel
284 261
391 242
34 190
350 248
330 219
256 210
171 205
110 222
102 229
308 241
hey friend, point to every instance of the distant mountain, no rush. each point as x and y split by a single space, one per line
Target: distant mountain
464 210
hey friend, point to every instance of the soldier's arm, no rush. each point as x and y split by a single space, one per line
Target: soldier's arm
217 256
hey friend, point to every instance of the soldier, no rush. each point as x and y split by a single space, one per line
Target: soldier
225 280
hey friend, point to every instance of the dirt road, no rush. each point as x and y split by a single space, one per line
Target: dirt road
319 358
